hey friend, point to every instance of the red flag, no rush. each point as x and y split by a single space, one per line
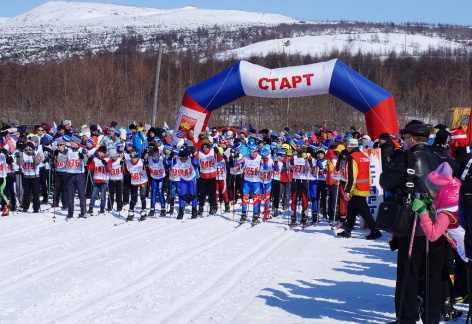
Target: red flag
469 126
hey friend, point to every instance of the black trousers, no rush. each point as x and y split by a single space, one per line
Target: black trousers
31 189
134 196
10 190
406 308
75 182
60 189
358 206
275 193
126 187
115 187
322 194
299 191
206 187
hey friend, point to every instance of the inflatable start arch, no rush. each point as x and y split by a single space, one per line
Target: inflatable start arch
247 79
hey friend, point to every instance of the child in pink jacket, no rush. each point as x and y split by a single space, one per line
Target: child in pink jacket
445 190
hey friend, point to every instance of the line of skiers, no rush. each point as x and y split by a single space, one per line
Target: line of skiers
127 163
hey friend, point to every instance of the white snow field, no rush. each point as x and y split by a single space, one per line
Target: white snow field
192 271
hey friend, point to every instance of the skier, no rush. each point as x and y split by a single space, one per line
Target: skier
139 180
206 184
100 167
156 167
251 166
221 187
300 163
267 171
184 167
60 178
76 158
115 183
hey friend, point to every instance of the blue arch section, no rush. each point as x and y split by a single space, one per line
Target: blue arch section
354 89
218 90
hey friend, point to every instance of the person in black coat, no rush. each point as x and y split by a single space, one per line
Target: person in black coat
387 147
409 268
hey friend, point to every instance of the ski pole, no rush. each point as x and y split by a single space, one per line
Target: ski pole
427 280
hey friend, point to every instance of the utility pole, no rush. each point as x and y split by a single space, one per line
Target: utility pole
156 85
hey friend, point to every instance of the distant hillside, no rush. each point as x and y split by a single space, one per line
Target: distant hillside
60 29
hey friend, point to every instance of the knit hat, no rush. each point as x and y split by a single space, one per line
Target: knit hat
237 146
441 137
30 144
93 128
439 177
66 138
281 153
183 154
34 138
339 139
47 128
353 142
75 139
458 139
384 136
90 140
113 153
15 123
102 149
66 122
132 126
167 147
129 143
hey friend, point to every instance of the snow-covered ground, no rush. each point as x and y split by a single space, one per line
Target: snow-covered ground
377 44
192 271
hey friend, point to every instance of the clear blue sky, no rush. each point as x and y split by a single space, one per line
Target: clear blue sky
397 11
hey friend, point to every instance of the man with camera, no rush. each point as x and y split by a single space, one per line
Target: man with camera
411 263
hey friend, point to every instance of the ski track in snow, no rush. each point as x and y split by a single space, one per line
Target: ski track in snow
200 271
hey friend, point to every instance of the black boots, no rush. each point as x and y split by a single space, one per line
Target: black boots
194 212
374 234
180 215
243 217
227 210
130 216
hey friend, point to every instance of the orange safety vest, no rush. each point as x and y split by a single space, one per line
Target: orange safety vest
363 171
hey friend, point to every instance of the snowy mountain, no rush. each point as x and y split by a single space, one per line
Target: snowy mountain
58 29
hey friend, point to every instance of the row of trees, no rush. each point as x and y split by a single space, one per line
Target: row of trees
119 86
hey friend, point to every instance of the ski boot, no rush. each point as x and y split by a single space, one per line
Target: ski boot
304 220
69 216
266 215
227 210
243 217
255 219
180 215
449 313
102 210
163 212
6 211
346 233
82 215
293 220
152 212
275 213
213 210
200 211
130 216
90 211
171 210
314 216
143 216
374 234
194 213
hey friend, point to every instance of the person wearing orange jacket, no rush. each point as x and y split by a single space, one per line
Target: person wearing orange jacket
356 191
